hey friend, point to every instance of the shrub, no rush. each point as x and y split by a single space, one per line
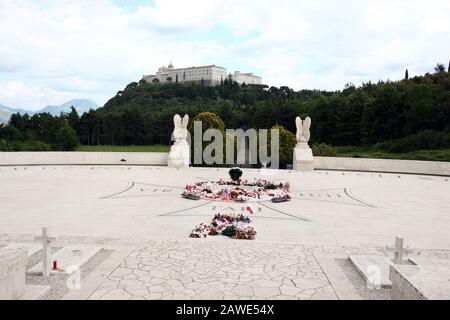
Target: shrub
424 140
235 174
34 146
323 150
287 145
5 146
209 121
66 139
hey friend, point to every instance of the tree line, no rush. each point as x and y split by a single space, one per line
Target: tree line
386 113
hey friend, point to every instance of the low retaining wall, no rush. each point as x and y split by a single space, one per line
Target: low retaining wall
83 158
160 159
383 165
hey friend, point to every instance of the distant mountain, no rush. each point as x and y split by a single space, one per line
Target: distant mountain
6 112
82 106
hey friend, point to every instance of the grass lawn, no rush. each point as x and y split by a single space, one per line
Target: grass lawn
153 148
426 155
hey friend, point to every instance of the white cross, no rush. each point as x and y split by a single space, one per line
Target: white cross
46 250
399 250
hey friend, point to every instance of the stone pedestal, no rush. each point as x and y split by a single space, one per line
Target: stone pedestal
303 157
12 273
179 156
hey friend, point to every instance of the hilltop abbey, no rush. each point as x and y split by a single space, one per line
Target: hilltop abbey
208 75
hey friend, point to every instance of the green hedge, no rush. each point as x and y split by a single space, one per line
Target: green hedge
287 145
424 140
323 150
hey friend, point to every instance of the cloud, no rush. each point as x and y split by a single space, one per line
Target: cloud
68 49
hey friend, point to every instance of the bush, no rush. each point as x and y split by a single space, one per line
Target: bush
34 146
6 146
287 145
209 121
424 140
323 150
66 139
235 174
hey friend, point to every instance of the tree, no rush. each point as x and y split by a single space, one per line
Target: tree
406 75
66 139
209 120
440 68
287 145
73 119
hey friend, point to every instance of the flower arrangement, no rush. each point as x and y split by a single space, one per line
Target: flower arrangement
283 197
239 191
191 195
236 227
229 231
245 232
200 231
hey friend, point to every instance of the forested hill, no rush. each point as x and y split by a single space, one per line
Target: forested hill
400 116
364 115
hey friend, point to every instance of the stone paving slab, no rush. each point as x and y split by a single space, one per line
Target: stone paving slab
69 256
30 248
373 268
217 270
427 261
420 282
35 292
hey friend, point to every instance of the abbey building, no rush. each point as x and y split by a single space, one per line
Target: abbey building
208 75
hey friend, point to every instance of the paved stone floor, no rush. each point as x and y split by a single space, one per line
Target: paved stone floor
332 214
343 208
213 270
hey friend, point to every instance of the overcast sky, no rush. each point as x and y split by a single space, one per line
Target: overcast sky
54 51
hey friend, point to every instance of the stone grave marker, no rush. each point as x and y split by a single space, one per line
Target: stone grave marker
29 247
426 282
374 269
46 263
69 258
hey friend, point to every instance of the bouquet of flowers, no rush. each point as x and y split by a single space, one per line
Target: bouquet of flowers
200 231
191 195
282 197
240 190
245 232
226 225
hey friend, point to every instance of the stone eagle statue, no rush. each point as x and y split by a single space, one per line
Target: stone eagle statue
303 129
180 132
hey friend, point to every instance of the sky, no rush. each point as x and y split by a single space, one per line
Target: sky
52 51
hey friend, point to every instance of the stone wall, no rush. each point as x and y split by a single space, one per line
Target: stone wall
160 159
382 165
83 158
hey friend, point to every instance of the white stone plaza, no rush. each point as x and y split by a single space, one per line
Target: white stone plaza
137 215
